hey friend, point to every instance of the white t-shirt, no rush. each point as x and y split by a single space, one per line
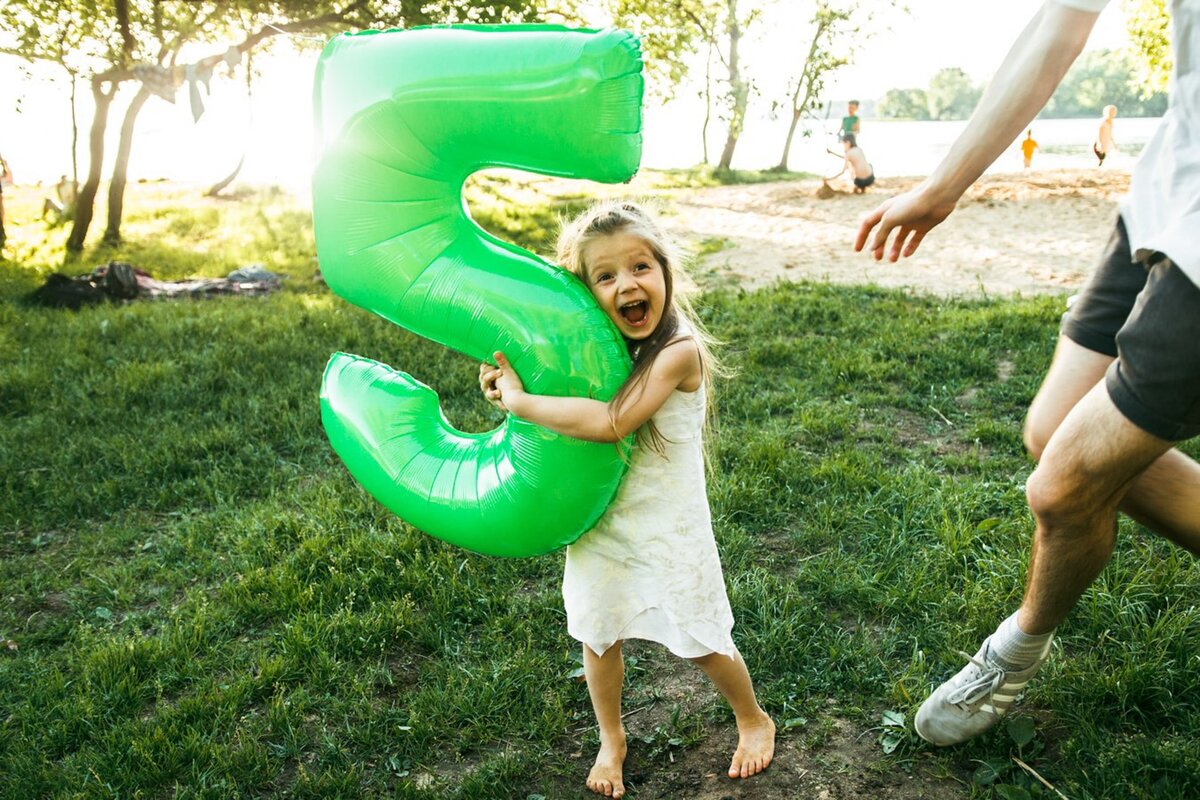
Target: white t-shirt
1162 209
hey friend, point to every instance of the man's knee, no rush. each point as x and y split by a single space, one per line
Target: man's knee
1036 435
1054 495
1059 498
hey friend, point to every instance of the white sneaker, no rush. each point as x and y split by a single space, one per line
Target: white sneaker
973 700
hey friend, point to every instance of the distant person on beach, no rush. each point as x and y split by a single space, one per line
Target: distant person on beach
850 123
1104 137
1027 148
1122 389
5 180
62 205
855 160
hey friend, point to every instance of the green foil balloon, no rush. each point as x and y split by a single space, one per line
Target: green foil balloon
403 118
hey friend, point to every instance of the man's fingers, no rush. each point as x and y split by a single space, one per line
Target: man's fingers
880 241
864 228
913 242
898 243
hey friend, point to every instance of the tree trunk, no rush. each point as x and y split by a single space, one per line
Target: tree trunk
739 90
86 200
787 145
216 188
74 136
707 101
810 75
116 187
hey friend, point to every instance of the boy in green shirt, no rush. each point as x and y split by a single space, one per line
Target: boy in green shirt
850 121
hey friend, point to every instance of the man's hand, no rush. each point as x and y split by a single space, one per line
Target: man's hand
912 215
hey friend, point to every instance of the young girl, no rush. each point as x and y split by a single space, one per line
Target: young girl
649 569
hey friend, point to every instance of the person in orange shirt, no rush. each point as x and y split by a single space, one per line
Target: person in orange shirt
1027 148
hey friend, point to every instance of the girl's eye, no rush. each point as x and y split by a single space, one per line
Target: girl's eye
641 267
604 276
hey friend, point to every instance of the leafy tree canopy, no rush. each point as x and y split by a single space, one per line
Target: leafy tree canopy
904 104
1149 43
951 94
1100 78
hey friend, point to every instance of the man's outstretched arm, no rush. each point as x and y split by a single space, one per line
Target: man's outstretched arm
1026 79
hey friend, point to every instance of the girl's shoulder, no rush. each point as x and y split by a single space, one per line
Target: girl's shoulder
680 361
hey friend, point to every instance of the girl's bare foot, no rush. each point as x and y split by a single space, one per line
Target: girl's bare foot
756 747
606 775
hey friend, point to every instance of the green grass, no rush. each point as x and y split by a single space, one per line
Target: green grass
707 175
198 601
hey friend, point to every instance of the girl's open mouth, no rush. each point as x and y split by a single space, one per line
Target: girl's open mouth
635 313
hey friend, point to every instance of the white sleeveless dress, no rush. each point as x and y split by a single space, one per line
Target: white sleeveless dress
649 568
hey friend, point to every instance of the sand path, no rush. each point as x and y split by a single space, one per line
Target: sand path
1023 233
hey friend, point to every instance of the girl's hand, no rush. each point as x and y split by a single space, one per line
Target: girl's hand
507 381
488 373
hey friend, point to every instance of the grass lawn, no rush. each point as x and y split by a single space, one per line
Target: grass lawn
197 601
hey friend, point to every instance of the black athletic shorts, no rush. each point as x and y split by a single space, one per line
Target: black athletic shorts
863 183
1146 314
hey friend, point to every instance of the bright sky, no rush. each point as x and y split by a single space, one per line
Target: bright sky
954 33
275 132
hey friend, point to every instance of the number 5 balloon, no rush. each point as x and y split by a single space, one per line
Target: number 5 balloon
403 118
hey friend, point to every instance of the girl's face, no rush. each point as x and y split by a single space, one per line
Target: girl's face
627 281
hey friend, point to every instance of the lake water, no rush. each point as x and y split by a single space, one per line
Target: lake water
893 147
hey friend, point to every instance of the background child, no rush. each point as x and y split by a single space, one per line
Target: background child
850 122
1027 148
855 161
649 569
1104 136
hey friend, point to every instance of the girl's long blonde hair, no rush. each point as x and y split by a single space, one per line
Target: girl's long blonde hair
621 216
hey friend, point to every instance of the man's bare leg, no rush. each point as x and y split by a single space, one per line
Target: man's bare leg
756 730
1089 465
605 676
1092 459
1166 496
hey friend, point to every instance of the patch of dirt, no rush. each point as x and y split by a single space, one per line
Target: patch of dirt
1022 233
830 757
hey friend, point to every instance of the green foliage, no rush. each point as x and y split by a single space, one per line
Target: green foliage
669 32
78 36
1150 43
951 94
1099 78
87 37
199 602
904 104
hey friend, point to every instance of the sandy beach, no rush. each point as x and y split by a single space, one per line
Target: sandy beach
1025 233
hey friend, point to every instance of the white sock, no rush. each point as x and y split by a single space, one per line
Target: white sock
1014 649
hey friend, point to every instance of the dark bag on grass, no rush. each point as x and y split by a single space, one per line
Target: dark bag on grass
63 291
113 281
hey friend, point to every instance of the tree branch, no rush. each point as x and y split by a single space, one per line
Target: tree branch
121 74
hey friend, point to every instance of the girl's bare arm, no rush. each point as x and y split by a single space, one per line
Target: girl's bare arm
590 420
